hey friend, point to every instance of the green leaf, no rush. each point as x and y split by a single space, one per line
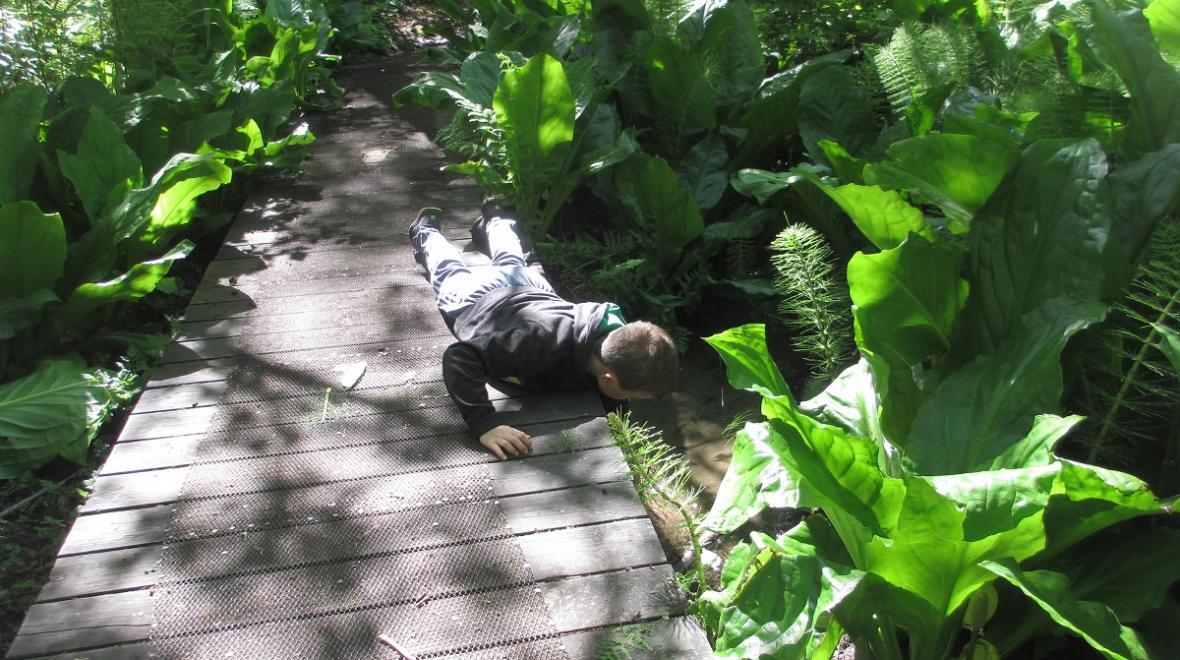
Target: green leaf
600 142
881 215
1169 345
649 190
94 255
754 480
16 314
910 295
1023 254
1088 499
1130 572
731 46
957 173
102 164
981 415
1164 18
1092 621
20 115
1125 41
703 171
479 77
748 365
135 283
850 403
778 595
175 206
1142 191
683 99
832 107
536 107
45 414
761 184
32 249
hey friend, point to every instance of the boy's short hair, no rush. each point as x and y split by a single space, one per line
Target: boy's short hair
643 356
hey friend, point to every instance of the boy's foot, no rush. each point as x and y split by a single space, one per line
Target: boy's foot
429 216
492 207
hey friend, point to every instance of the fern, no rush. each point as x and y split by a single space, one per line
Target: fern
814 303
1131 387
920 58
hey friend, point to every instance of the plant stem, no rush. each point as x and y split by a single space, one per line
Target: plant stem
1148 343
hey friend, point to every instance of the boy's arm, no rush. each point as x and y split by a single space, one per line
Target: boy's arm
466 378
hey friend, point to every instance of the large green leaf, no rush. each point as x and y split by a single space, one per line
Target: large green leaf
1041 236
777 596
881 215
1125 41
910 296
748 364
535 107
957 173
681 96
93 256
138 282
704 171
45 414
731 46
1088 499
1142 192
649 189
754 481
981 415
1164 18
1093 621
20 114
1130 572
832 107
16 314
480 75
32 249
103 163
174 208
850 403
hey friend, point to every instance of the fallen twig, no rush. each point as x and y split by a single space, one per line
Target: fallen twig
385 639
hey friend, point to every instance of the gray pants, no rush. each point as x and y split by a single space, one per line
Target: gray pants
458 286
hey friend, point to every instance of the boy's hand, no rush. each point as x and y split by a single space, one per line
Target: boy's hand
504 440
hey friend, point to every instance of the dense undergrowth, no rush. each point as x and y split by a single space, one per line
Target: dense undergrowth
131 131
964 211
968 218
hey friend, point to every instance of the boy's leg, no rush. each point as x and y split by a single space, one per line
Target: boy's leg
505 247
453 283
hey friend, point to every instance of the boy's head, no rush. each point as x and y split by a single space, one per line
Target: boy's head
641 362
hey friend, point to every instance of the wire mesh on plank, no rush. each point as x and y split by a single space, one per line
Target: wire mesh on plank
415 573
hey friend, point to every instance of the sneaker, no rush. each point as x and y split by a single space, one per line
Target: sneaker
430 216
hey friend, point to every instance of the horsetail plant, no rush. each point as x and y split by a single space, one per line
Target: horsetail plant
814 302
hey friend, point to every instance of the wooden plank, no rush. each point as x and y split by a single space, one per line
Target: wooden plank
598 600
677 637
591 549
84 623
632 594
180 397
191 373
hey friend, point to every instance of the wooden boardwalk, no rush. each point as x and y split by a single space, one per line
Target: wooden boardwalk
254 507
